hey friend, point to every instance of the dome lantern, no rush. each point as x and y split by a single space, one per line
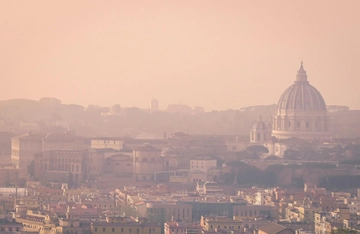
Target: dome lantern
301 76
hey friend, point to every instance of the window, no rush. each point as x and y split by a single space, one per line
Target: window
122 229
113 229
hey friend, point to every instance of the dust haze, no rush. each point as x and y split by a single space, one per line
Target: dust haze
215 54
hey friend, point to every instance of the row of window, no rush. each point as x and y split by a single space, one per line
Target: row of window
150 231
64 159
63 167
251 213
225 227
9 229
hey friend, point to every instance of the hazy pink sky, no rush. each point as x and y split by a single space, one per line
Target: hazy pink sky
210 53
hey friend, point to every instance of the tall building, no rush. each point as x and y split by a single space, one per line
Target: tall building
154 105
24 147
301 112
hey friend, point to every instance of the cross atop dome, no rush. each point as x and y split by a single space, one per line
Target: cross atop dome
301 76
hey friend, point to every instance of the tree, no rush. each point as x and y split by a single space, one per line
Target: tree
291 154
257 150
272 157
235 169
31 169
227 178
50 100
116 109
242 155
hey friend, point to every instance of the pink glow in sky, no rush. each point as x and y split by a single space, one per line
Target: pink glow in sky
210 53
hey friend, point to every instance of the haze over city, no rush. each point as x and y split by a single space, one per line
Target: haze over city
215 54
180 117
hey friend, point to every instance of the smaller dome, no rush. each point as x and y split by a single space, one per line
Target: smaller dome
260 125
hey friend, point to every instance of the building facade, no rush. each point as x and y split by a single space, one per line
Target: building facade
146 161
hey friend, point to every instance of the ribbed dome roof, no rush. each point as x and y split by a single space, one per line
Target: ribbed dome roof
260 125
301 95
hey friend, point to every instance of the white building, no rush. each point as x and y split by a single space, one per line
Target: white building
354 206
203 164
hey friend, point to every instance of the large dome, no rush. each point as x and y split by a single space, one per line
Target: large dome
301 96
301 112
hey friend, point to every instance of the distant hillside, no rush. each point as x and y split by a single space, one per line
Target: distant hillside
117 121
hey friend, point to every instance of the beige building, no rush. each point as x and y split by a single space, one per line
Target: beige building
274 228
301 212
125 225
115 143
146 161
203 164
254 211
119 164
24 147
163 212
94 163
60 164
217 223
63 141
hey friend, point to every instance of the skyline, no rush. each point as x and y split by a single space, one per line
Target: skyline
218 55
